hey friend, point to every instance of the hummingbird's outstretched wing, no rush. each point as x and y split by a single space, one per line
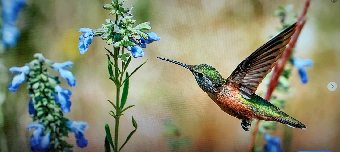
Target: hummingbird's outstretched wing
251 71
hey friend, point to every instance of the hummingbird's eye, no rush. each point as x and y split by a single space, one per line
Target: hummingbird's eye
200 75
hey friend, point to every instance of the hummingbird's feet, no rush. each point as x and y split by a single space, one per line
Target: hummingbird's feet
245 124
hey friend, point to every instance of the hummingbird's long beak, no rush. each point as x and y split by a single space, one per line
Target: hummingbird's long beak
175 62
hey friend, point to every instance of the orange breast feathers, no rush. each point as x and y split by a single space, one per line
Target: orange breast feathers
227 99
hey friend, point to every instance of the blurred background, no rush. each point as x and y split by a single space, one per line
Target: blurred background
172 112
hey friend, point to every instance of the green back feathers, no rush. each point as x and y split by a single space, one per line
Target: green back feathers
261 106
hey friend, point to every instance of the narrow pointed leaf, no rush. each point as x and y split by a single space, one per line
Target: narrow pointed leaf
128 107
111 54
134 123
127 63
109 65
112 104
108 135
107 145
125 91
136 70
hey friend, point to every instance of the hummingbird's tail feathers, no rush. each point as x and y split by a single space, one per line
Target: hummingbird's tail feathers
175 62
290 121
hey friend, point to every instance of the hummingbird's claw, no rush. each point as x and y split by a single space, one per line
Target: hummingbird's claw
245 124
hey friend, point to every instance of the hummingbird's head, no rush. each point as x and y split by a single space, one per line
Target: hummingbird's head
207 77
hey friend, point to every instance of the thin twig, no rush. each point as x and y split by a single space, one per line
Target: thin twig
278 69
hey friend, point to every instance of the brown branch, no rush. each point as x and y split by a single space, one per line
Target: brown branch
278 69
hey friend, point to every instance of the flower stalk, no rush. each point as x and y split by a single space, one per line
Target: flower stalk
121 34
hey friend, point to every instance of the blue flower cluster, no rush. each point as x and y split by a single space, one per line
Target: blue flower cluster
301 65
52 94
137 50
10 12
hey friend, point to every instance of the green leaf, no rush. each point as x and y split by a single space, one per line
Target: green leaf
112 104
123 56
112 113
109 66
143 26
128 43
127 63
134 123
138 68
135 70
125 91
107 145
128 107
108 135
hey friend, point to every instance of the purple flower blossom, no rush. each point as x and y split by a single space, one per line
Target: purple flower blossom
64 73
10 12
62 97
301 65
136 51
78 127
39 142
19 78
85 40
273 143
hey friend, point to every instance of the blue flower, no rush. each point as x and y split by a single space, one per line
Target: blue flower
152 37
62 97
19 78
31 109
10 35
64 73
10 11
85 40
301 65
38 141
78 127
136 51
142 42
273 143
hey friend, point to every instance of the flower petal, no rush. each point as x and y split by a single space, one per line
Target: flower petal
85 40
301 65
10 12
62 97
136 51
152 37
31 109
78 127
273 143
10 35
11 9
38 142
17 80
64 73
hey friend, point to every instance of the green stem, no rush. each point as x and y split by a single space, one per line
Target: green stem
118 85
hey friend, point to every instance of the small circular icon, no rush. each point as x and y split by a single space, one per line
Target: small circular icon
332 86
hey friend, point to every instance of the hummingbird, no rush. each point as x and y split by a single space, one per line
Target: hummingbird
236 94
